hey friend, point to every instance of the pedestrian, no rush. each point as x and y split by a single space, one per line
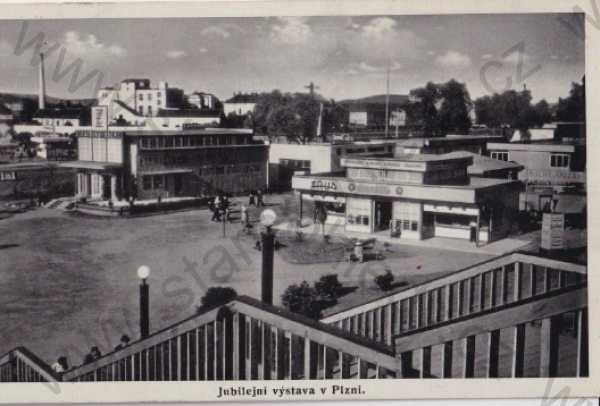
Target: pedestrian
61 365
123 343
251 201
259 198
244 218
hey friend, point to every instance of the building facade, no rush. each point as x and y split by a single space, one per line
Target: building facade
415 197
138 95
118 165
240 104
554 173
287 159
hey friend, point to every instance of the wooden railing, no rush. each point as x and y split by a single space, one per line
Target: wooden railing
20 365
513 340
511 278
243 340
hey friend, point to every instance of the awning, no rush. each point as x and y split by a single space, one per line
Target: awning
166 171
91 165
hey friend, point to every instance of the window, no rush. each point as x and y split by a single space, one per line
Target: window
559 160
147 182
499 155
141 97
158 181
149 110
7 176
141 109
149 96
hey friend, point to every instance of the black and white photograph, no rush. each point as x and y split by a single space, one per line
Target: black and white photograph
261 202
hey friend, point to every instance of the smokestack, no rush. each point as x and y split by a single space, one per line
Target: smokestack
41 85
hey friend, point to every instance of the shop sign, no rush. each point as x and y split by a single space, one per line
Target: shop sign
323 184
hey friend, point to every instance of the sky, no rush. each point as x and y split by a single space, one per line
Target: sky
346 57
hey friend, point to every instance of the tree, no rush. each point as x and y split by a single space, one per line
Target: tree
454 111
328 287
385 281
216 296
302 299
442 108
513 109
424 112
572 108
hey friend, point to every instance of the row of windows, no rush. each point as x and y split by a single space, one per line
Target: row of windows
556 160
148 96
358 220
295 163
499 155
559 160
407 225
8 175
174 141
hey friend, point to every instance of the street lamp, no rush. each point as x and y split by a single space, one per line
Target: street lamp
267 219
143 273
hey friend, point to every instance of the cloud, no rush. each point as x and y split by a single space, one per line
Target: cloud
379 27
176 54
453 59
203 50
486 56
6 50
216 31
89 46
291 31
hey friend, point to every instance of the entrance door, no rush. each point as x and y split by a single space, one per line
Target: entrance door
545 203
383 215
473 234
178 184
106 192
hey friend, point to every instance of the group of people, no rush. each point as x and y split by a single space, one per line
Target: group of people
62 364
220 207
255 198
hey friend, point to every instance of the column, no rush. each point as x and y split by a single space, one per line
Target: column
493 353
236 346
582 343
447 360
518 350
549 335
425 370
469 356
307 357
517 282
113 187
448 304
388 324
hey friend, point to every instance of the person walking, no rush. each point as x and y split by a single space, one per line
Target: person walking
251 201
259 198
244 218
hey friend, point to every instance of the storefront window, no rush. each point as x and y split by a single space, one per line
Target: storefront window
147 182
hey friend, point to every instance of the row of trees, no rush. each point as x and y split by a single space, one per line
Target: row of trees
440 109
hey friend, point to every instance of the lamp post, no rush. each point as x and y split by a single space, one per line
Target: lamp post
143 272
267 219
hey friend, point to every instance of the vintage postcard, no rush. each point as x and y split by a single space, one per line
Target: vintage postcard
220 201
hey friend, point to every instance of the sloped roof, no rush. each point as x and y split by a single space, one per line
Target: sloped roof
72 113
187 113
243 98
4 111
482 164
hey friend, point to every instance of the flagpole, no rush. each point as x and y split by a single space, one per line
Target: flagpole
387 100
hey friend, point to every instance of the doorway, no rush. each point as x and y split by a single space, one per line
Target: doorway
383 214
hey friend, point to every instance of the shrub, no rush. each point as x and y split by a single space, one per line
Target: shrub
302 299
328 287
385 281
216 296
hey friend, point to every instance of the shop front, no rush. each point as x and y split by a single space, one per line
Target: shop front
472 212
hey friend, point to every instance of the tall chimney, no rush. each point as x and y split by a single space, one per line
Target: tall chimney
41 84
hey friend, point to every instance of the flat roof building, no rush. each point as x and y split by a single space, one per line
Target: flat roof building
553 174
414 196
287 159
116 165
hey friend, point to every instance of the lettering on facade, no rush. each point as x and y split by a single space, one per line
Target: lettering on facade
323 184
